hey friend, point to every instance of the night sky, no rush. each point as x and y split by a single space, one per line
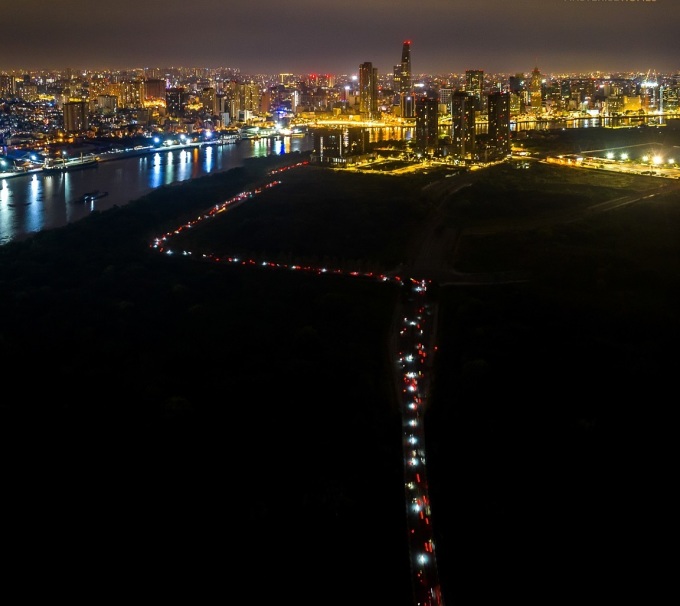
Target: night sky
316 36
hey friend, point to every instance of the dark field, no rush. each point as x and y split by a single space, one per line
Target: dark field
188 408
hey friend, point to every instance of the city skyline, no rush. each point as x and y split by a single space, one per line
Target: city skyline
447 36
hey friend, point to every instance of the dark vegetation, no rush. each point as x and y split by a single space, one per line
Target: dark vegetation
187 427
318 217
550 434
184 426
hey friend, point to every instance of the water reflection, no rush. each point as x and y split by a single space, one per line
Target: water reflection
390 133
209 160
155 174
55 199
5 193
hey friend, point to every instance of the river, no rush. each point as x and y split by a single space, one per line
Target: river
33 203
37 202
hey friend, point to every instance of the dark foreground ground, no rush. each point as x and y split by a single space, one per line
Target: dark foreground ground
177 427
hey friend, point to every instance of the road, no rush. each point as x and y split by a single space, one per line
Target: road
415 350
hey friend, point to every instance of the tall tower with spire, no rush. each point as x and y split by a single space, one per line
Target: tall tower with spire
406 82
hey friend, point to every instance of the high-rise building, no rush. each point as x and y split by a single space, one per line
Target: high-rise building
396 78
406 82
499 122
535 92
175 101
132 94
6 86
249 96
209 100
474 83
516 83
154 89
463 124
445 98
335 146
75 116
368 91
427 122
107 104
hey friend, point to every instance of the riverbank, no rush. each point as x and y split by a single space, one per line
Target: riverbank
121 155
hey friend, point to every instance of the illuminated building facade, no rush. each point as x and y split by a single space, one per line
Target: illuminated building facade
463 124
76 116
445 99
132 94
175 101
427 122
474 83
499 122
154 89
107 105
6 86
368 91
535 92
339 146
406 82
209 100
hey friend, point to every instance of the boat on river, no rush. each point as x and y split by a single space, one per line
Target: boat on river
91 196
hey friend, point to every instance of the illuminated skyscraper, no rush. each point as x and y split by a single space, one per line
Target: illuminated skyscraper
75 116
132 93
209 100
396 78
535 94
406 82
368 91
6 86
175 101
427 122
405 76
463 124
499 122
474 83
445 98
